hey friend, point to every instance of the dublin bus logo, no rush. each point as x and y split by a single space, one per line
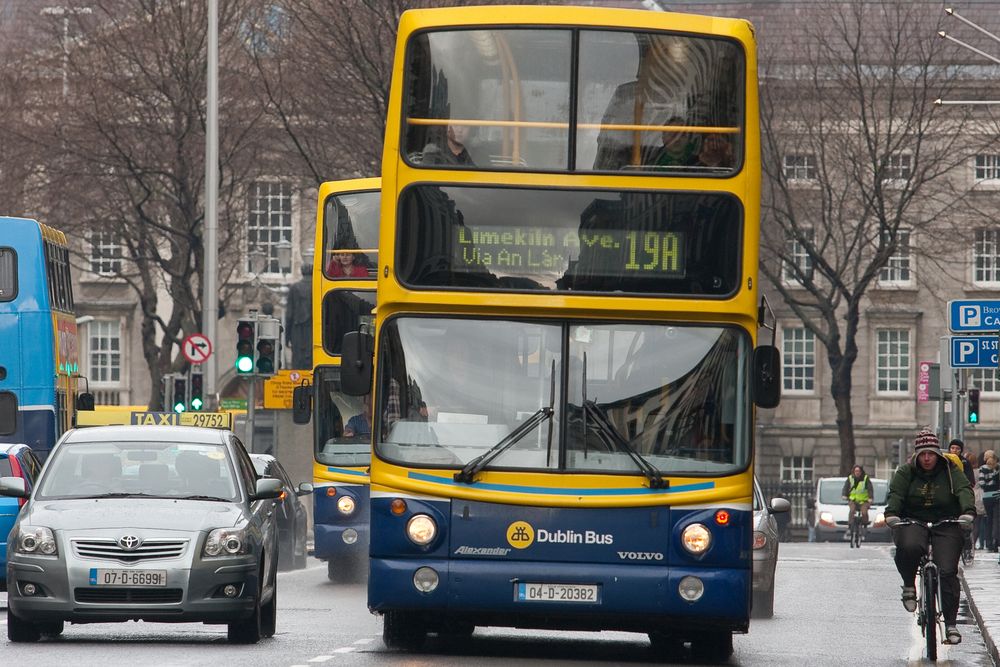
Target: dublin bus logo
520 534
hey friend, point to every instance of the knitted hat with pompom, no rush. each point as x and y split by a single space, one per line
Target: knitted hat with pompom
926 441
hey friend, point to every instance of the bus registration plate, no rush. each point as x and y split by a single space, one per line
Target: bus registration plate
142 578
582 593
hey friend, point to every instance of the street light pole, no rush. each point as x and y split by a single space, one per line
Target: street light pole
210 298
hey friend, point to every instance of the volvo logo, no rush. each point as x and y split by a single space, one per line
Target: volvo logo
129 542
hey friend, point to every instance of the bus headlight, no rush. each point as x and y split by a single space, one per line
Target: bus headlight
345 504
36 540
691 588
421 529
425 580
696 538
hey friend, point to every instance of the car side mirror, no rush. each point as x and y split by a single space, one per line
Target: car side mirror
305 488
268 488
780 505
766 386
85 401
302 404
356 362
14 487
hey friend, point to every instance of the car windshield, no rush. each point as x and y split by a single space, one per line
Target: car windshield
158 469
830 491
626 397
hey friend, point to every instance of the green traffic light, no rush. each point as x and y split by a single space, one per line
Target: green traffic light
973 418
179 407
244 364
196 404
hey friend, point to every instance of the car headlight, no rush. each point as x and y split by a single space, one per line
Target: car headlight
826 518
696 538
345 504
36 540
421 529
226 542
879 520
759 540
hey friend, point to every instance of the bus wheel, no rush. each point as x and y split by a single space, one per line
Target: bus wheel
712 646
403 630
666 647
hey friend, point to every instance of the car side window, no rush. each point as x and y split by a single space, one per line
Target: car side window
245 466
32 465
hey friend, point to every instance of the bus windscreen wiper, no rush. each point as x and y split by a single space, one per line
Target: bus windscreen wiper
614 440
467 475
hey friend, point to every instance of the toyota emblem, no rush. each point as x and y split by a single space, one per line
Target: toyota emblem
129 542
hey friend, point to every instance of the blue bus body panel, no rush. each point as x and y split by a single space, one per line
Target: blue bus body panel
329 524
634 556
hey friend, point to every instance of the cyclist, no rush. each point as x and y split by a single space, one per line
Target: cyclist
929 488
858 491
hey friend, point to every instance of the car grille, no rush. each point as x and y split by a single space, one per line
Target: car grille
129 595
110 549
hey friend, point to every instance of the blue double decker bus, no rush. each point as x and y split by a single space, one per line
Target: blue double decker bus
39 360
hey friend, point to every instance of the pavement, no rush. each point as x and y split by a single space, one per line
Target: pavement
981 584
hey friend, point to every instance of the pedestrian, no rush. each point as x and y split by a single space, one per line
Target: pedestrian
989 482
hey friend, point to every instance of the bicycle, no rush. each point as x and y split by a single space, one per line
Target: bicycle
929 614
855 528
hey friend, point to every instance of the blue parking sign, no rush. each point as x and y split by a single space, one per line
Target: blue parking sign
974 316
974 351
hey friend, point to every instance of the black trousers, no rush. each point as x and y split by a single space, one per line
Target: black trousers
911 544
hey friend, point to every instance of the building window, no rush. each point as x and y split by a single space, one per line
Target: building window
897 267
105 253
798 261
988 167
985 256
800 167
893 361
985 379
270 222
104 347
897 167
798 358
796 468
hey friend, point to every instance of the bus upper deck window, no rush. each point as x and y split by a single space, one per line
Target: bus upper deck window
8 274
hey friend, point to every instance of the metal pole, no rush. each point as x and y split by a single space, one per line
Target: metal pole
210 298
251 406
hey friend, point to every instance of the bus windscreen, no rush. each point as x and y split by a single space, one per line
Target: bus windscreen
520 239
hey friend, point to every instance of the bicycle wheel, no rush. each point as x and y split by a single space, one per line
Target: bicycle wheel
929 595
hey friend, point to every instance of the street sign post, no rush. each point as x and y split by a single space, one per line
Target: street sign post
981 316
974 351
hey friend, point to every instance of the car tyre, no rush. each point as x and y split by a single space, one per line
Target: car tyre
300 558
269 614
713 647
51 629
250 629
403 630
763 604
19 630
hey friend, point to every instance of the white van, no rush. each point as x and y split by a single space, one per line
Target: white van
832 510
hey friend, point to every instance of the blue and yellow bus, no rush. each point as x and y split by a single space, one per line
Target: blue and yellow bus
565 362
343 301
39 361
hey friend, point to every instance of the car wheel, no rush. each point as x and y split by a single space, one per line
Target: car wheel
403 630
269 614
19 630
249 630
300 557
51 629
712 646
763 604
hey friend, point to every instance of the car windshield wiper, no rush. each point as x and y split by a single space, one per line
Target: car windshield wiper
467 475
126 494
615 440
200 497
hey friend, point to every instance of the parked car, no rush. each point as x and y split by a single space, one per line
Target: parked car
16 460
832 511
156 523
765 551
293 520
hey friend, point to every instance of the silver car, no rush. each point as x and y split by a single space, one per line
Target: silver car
159 523
765 550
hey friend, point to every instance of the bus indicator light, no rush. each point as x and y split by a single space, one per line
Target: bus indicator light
722 517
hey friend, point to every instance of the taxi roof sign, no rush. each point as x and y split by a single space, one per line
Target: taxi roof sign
145 418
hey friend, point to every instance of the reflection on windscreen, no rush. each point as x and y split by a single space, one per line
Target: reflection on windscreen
450 389
343 422
170 470
831 490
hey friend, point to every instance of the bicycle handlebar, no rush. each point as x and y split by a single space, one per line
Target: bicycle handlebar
928 524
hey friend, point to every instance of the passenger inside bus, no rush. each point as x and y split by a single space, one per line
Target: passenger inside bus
347 265
360 425
450 149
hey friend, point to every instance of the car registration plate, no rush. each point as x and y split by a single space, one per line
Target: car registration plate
582 593
100 577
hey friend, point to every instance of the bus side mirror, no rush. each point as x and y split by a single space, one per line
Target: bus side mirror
302 404
85 401
356 357
766 371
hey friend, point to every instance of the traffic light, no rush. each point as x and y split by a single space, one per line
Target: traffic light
268 346
197 387
180 393
244 347
973 406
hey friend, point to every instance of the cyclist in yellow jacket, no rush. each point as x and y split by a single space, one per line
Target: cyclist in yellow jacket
858 492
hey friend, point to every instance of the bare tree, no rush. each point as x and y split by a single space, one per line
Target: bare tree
125 149
871 164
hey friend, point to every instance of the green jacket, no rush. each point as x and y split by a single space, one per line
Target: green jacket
942 493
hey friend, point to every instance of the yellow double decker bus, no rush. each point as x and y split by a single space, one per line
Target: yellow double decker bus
343 300
565 363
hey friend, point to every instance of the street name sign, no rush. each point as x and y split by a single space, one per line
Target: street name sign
974 316
974 351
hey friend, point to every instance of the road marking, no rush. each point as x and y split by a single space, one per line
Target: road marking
344 649
369 640
321 658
